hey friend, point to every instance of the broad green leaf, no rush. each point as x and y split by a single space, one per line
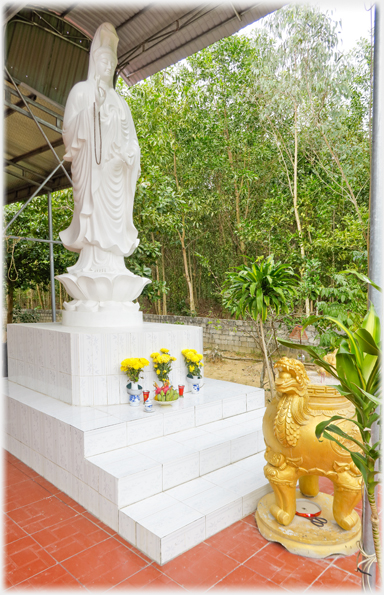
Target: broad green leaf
366 342
347 369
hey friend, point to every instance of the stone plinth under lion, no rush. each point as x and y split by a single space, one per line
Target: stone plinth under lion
294 454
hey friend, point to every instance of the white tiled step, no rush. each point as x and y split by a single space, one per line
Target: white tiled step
128 474
110 427
167 524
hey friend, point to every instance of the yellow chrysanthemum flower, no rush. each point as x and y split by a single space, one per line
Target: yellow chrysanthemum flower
163 350
157 371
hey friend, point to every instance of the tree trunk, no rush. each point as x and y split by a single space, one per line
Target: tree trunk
163 271
183 248
266 358
40 297
186 270
262 374
236 188
297 216
192 277
375 528
11 291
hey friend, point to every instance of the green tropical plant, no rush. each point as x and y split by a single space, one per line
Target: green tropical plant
257 289
358 362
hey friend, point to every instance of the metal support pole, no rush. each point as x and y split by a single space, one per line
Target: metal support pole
31 197
376 244
51 260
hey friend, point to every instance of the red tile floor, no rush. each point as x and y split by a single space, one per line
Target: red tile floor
51 541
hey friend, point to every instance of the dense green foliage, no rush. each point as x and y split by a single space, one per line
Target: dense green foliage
257 145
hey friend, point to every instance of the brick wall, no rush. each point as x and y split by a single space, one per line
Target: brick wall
227 335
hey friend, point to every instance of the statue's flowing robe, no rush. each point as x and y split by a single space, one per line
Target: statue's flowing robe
103 194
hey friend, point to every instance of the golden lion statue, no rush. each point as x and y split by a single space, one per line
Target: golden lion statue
294 453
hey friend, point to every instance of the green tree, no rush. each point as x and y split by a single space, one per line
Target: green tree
258 289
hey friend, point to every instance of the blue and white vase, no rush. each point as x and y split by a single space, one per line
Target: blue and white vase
134 390
194 383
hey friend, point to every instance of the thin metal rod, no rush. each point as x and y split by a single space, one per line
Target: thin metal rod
376 247
51 258
34 240
29 199
38 125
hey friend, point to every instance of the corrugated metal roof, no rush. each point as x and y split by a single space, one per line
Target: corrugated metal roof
46 51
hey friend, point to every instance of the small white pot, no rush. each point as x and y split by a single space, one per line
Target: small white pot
195 382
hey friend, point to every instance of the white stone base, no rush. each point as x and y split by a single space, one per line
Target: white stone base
81 366
111 318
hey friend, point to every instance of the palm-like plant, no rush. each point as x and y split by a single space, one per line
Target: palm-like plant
257 289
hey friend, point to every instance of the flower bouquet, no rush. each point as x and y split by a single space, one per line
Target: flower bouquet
133 367
194 362
162 362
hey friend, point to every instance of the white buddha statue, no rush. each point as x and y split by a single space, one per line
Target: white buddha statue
101 144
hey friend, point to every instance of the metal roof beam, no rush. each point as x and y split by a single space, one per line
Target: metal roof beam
8 112
164 33
38 151
177 48
32 197
27 170
34 240
21 177
19 194
132 18
69 9
13 106
43 108
40 128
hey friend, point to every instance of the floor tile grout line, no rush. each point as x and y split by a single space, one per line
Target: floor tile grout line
16 585
333 563
148 584
325 570
60 563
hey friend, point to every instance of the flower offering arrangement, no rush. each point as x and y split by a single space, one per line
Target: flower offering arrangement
162 362
193 361
133 367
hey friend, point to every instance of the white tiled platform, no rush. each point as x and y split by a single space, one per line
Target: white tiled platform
81 366
165 480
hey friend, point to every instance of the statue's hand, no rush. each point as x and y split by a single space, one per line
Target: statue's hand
100 94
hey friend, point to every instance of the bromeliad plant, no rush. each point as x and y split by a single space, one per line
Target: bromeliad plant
133 367
162 362
357 369
193 361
